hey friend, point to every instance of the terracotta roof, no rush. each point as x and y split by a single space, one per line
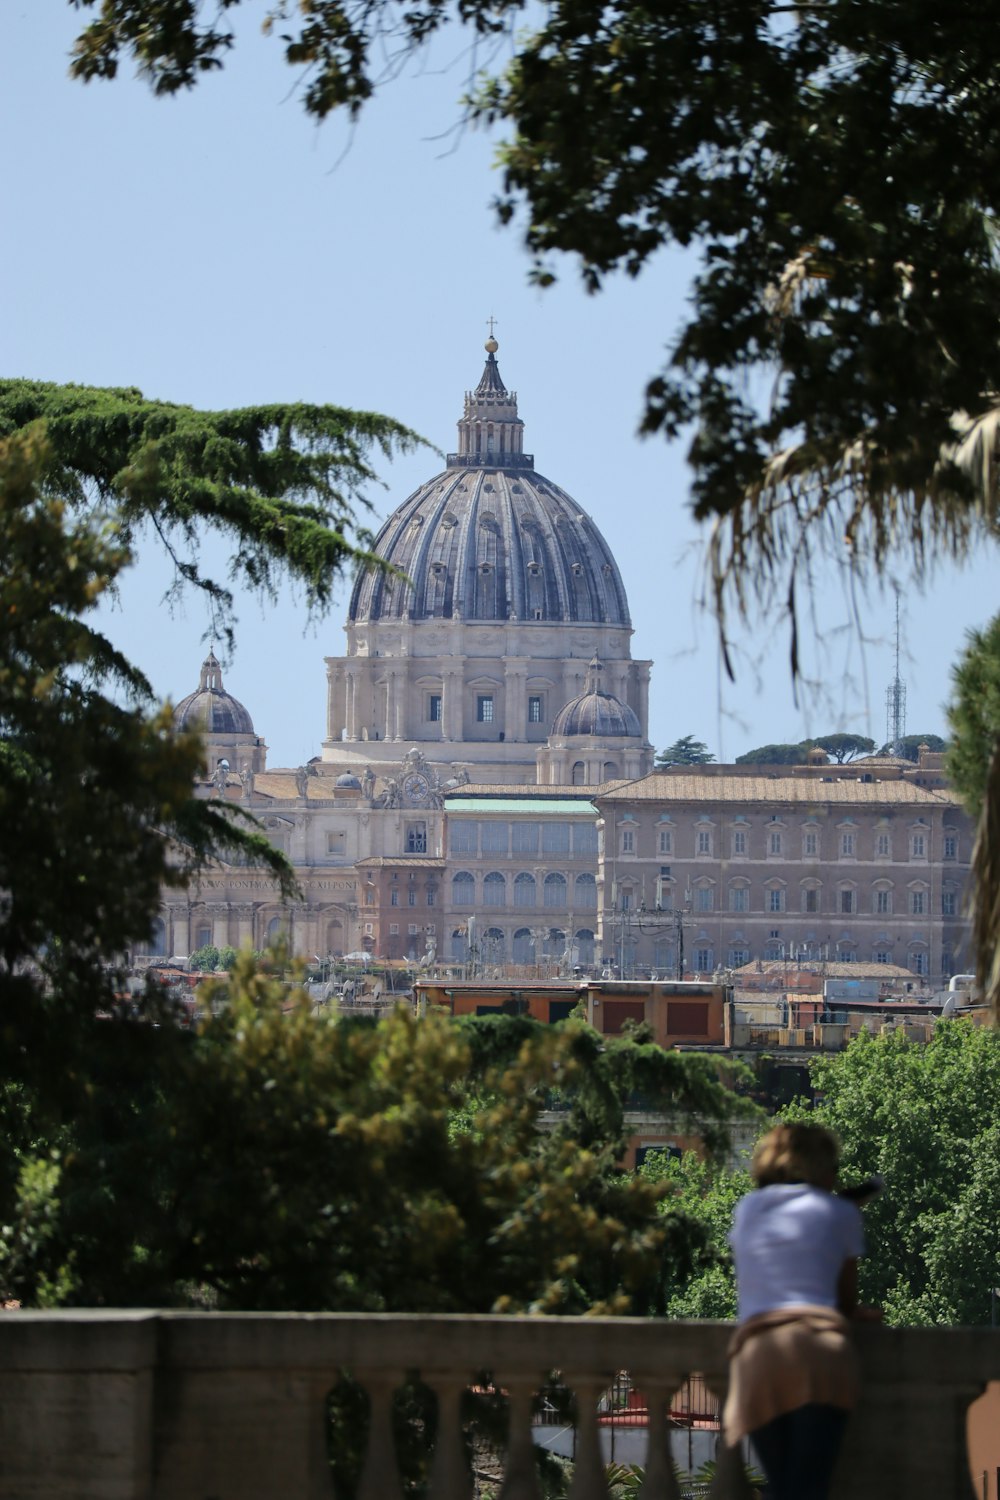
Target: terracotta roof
775 967
531 789
663 788
281 785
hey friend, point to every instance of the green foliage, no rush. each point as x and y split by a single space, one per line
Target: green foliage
686 751
974 715
924 1117
842 747
974 766
706 1193
773 755
282 483
204 960
280 1159
908 746
94 780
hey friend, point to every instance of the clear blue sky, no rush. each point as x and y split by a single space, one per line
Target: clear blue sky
219 249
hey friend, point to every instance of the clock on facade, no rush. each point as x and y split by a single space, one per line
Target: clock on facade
416 786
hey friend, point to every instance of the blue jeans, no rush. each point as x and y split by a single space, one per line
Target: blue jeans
798 1451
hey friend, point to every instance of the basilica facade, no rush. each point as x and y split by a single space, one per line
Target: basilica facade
494 654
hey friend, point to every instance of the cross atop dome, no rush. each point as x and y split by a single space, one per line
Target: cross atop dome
490 432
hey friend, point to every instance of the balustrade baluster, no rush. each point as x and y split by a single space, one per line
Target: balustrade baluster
380 1476
520 1480
589 1482
660 1478
450 1476
730 1482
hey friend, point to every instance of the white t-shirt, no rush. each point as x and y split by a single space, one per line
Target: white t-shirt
789 1243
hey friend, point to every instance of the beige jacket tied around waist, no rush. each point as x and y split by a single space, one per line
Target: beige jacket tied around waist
790 1357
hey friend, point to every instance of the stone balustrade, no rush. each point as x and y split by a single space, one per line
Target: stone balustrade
98 1405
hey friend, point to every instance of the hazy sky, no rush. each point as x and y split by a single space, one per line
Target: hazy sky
219 249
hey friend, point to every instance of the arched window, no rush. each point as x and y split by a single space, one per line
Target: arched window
610 770
583 940
155 945
277 931
664 954
494 889
524 946
494 946
555 943
202 936
554 891
334 936
579 774
459 945
524 890
585 893
463 889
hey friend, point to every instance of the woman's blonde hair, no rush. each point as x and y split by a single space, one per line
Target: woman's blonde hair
796 1153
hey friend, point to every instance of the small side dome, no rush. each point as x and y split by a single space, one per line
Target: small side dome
211 710
348 781
596 713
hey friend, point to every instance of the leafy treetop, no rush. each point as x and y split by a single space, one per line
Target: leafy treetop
282 483
687 751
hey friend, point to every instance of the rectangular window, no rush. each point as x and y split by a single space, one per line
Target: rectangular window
739 842
774 843
949 904
666 841
434 708
704 841
883 903
416 838
463 837
810 899
847 845
739 898
484 708
628 841
431 895
883 846
393 929
625 900
738 957
413 929
918 903
703 960
555 838
918 846
950 846
847 901
704 898
411 898
495 837
883 956
394 898
584 838
336 843
776 900
369 897
810 845
524 838
534 708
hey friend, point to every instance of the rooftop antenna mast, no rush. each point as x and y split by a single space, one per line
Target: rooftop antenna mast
895 701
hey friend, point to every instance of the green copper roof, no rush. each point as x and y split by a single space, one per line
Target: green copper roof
539 806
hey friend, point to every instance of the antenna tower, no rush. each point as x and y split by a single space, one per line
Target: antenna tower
895 701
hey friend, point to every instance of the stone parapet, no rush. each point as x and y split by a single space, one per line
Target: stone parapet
170 1406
